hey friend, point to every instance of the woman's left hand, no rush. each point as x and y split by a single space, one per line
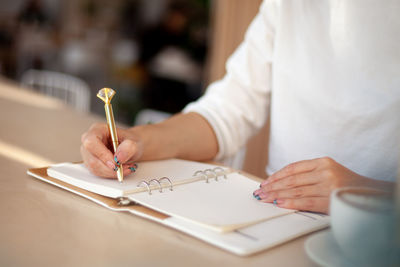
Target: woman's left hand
307 185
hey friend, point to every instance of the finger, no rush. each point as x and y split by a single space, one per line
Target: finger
95 146
130 168
96 166
306 178
295 193
291 169
316 204
128 151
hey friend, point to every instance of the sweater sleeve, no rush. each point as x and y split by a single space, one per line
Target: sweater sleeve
237 105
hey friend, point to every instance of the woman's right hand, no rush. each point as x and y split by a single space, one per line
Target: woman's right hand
96 150
186 136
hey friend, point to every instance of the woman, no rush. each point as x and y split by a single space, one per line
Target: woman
328 74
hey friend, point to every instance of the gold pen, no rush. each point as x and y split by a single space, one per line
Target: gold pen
106 94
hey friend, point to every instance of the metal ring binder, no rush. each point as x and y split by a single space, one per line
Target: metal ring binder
147 185
170 183
213 172
202 173
159 184
222 171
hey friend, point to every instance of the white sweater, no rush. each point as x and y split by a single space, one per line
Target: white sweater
329 74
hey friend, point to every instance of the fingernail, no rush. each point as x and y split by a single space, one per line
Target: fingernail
116 160
116 168
110 164
257 192
134 167
275 202
256 196
262 195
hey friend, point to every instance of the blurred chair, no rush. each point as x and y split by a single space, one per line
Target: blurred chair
72 90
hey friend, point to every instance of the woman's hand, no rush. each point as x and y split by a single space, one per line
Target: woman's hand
96 151
187 136
307 185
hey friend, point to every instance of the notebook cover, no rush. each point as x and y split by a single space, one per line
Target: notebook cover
41 173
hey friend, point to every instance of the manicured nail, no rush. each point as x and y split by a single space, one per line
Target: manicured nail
262 195
134 167
257 192
256 196
116 168
110 164
274 202
116 160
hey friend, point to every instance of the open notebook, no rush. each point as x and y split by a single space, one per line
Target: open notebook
205 194
221 211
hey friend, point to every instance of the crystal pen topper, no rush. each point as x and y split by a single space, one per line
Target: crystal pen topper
106 94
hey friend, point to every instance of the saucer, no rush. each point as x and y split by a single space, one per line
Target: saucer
323 250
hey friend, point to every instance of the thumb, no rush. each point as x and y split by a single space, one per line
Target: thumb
128 151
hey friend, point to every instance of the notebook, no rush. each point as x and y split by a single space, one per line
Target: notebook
205 194
212 203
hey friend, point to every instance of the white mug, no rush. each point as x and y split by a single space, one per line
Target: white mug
362 221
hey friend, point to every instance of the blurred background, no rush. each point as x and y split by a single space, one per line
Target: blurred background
158 55
152 52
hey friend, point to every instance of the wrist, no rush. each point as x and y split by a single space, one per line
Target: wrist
374 183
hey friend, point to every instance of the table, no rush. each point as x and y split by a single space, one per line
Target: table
42 225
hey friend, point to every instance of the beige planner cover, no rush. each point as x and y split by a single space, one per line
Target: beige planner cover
111 203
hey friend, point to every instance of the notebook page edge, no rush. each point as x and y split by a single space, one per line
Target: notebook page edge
95 188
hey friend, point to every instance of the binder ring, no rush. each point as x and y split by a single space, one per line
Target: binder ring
159 184
213 172
202 173
147 185
168 180
222 171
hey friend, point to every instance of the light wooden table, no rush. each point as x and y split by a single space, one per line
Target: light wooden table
41 225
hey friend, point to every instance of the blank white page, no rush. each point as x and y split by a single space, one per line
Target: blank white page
223 205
